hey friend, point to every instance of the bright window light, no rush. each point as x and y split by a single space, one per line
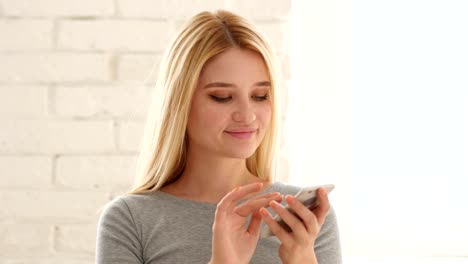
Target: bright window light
378 105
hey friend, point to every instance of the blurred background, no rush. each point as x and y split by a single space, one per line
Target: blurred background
377 105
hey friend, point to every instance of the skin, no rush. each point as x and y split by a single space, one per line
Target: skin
212 151
232 96
298 245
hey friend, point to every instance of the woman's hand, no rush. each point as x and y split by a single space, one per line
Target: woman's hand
298 246
232 241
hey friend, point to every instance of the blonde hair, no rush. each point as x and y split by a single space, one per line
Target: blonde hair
164 146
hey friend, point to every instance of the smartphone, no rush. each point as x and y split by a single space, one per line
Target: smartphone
308 197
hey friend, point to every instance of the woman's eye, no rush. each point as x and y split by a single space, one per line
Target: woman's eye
223 99
260 98
220 99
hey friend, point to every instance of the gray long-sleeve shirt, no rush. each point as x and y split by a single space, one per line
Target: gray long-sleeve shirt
165 229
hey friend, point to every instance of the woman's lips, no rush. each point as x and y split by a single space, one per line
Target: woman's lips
242 134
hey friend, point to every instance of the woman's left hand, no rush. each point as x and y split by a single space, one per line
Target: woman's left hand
298 246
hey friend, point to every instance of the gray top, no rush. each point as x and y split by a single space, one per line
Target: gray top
165 229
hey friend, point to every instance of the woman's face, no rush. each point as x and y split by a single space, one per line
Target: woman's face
231 107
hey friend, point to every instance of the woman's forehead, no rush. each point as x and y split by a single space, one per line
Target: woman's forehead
234 64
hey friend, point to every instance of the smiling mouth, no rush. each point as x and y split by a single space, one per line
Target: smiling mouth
242 134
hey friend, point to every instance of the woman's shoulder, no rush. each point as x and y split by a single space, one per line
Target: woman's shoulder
128 204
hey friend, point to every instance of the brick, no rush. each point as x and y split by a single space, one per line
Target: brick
140 68
25 171
130 135
58 8
76 238
113 35
100 172
52 205
46 136
261 9
54 67
25 239
166 8
98 101
26 34
23 101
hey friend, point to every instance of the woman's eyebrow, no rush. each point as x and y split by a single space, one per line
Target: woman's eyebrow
223 84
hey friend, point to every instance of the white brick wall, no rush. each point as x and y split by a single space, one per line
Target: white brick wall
25 239
36 34
57 8
166 9
25 171
97 101
75 84
57 67
77 238
113 35
95 172
138 67
28 101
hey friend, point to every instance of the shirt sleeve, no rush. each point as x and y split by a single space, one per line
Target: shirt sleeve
118 240
327 244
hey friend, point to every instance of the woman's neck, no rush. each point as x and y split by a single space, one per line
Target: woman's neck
209 179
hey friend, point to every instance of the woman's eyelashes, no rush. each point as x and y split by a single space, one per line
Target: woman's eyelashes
220 98
223 99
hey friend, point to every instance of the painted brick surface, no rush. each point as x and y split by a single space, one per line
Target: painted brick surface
95 172
106 35
101 101
54 8
23 101
25 171
78 238
166 9
138 68
54 67
130 135
26 34
60 136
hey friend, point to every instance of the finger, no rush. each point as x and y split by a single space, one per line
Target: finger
308 218
294 222
242 191
254 204
323 207
254 226
264 195
235 195
275 228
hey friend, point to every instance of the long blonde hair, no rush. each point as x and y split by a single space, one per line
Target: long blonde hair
164 146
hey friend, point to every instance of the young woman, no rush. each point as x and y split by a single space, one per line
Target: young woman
208 159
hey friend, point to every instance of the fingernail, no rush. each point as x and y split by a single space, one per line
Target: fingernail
278 195
289 199
263 211
324 192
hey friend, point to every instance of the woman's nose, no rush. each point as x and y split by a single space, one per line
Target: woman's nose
244 114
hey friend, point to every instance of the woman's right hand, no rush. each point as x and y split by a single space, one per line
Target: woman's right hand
232 241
